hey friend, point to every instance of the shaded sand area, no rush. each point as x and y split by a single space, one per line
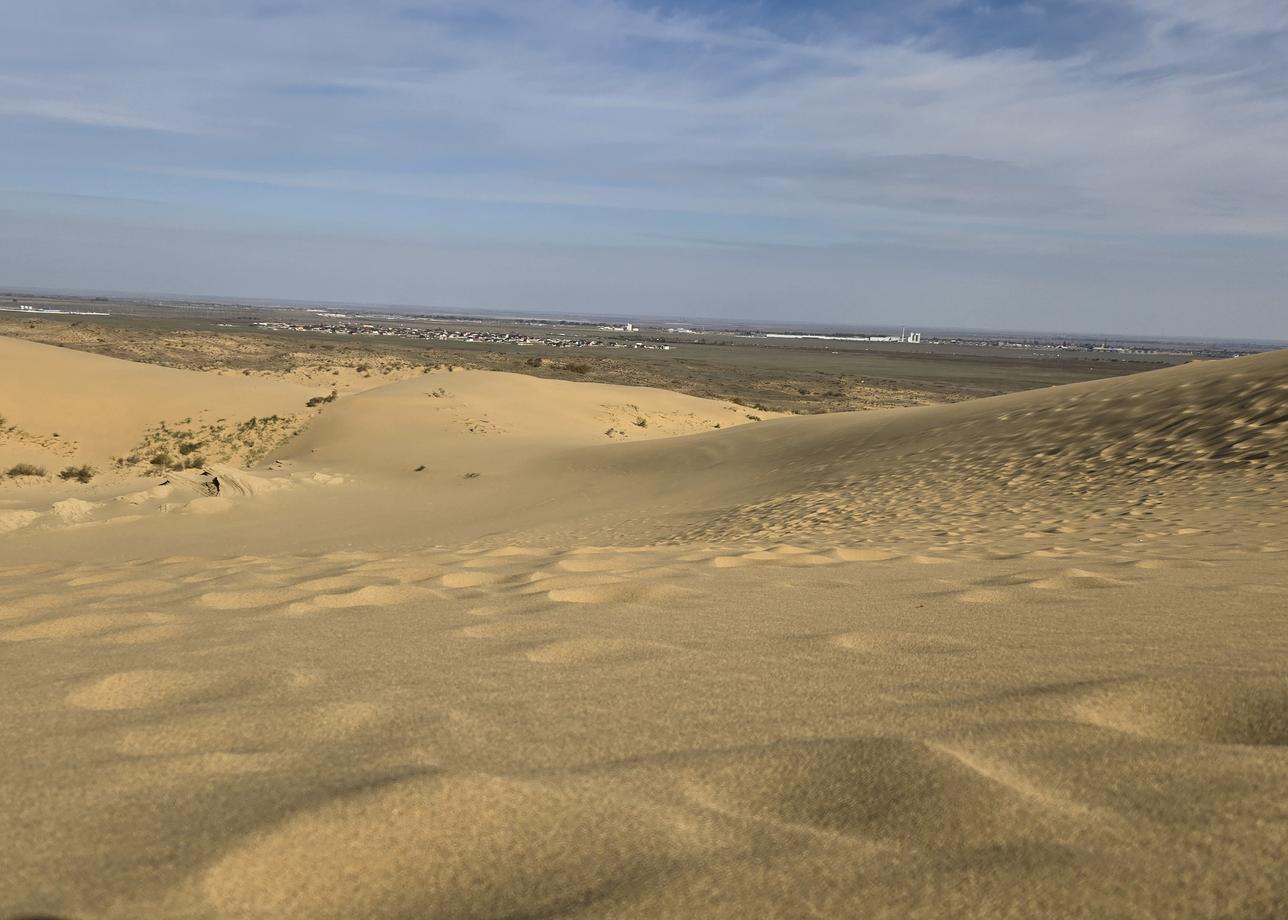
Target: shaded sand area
1010 658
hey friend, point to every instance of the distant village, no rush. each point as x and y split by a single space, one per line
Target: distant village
481 336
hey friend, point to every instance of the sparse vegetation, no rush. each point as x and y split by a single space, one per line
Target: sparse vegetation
81 474
419 469
323 400
577 368
535 361
471 476
188 447
641 422
25 469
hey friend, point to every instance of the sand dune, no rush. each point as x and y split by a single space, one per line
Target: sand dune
63 406
1011 658
445 417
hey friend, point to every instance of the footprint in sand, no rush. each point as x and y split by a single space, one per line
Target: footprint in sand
470 579
1220 709
592 650
877 643
443 846
501 630
377 596
604 593
984 596
141 689
86 624
247 599
864 554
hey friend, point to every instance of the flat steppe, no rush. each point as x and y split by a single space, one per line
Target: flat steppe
476 644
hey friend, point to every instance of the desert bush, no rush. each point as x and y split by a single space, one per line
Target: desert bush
641 422
471 476
25 469
577 368
535 361
161 459
322 400
81 474
188 447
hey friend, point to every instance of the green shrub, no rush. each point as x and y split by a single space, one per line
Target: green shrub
26 469
81 474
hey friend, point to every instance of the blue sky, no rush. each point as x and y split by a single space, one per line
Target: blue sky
1101 165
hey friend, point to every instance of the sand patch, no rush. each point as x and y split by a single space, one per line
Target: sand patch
141 689
455 847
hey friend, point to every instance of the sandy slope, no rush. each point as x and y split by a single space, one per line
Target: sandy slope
1019 657
65 406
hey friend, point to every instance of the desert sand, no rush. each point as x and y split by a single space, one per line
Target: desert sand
475 644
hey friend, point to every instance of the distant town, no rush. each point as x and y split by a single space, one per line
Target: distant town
333 325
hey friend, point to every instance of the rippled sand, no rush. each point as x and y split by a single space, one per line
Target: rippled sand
1013 658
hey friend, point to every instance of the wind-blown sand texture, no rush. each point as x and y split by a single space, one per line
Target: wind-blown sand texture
1018 657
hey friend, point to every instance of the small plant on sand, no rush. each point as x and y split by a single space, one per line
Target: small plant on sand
753 418
161 460
641 422
81 474
471 476
323 400
419 469
188 447
25 469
